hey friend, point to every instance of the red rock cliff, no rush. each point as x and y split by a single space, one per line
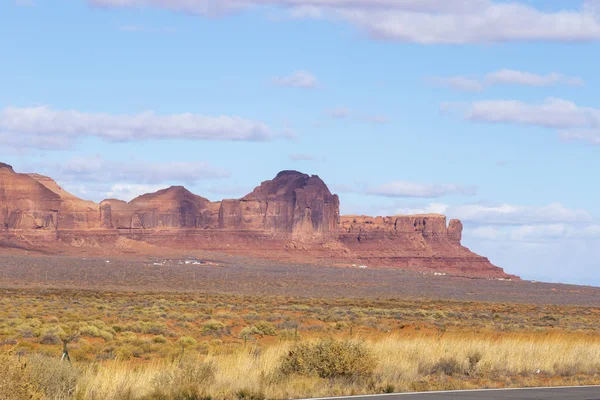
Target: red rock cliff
175 207
271 221
293 204
416 242
74 213
25 203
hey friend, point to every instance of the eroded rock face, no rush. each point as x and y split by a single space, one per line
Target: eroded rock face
292 204
427 225
175 207
415 242
455 231
74 213
293 216
25 203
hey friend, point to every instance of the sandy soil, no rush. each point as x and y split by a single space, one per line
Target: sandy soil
205 272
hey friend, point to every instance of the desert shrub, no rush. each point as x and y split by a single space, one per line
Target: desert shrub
186 341
96 329
14 384
474 358
183 381
288 324
51 336
213 327
341 326
249 332
448 366
160 339
152 328
266 328
56 379
329 359
246 394
289 334
124 353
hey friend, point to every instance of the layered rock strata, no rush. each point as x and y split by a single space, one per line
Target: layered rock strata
293 215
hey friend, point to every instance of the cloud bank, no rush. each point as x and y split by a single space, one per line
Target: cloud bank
45 127
504 77
414 189
419 21
571 121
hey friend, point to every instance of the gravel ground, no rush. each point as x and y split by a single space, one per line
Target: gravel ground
244 276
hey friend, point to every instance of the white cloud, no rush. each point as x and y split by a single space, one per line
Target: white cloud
590 136
505 77
414 189
507 222
511 76
299 79
508 214
552 113
572 122
536 233
459 83
301 157
420 21
485 233
504 214
234 190
343 112
485 22
432 208
96 169
129 191
45 127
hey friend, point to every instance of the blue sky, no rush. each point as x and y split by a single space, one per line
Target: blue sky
483 110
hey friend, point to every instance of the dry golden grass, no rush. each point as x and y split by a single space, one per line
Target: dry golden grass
404 363
187 346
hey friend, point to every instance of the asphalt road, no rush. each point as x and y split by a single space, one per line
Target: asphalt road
574 393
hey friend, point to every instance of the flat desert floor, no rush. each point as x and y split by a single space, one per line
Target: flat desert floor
218 273
211 326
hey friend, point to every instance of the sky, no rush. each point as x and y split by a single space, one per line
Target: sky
483 110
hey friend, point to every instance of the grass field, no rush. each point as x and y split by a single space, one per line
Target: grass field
193 346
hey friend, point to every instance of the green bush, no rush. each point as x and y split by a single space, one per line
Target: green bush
266 328
213 327
160 339
329 359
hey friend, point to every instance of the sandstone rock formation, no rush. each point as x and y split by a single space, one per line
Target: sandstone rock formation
414 242
175 207
73 213
292 204
25 203
292 217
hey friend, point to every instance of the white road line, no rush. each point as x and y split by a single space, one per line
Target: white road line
452 391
